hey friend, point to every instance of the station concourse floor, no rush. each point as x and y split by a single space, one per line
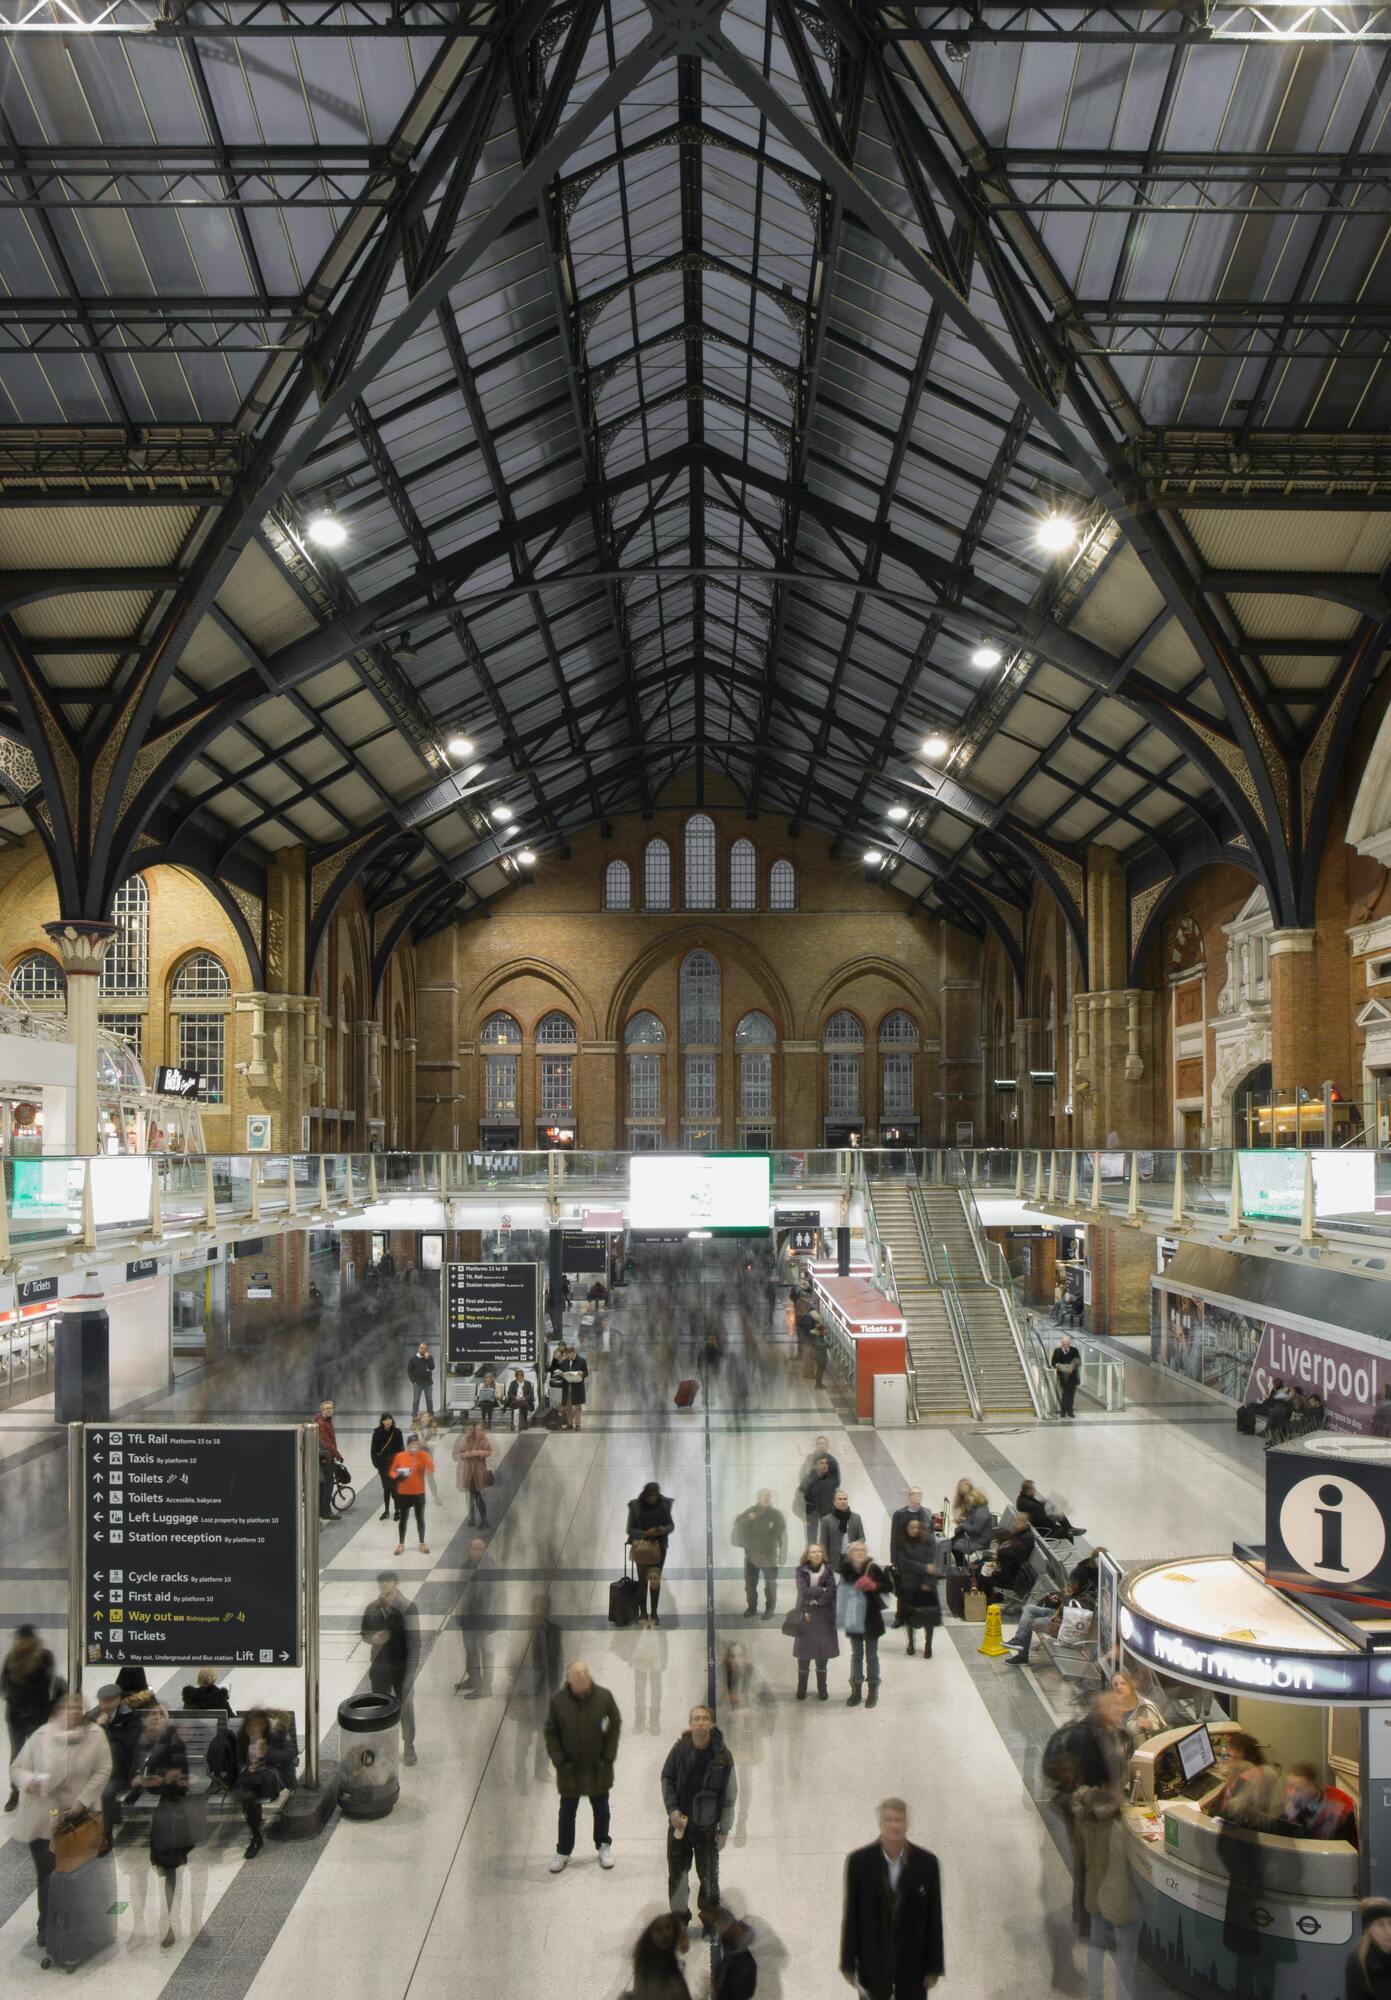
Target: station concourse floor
451 1895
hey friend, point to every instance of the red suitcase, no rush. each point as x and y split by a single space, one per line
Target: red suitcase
685 1395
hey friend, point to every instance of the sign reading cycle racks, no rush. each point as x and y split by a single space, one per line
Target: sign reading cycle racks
195 1545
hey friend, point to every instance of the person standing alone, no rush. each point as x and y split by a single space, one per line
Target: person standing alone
891 1926
761 1532
699 1791
421 1370
1066 1363
408 1470
581 1735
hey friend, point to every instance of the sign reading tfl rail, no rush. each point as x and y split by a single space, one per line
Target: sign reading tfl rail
192 1539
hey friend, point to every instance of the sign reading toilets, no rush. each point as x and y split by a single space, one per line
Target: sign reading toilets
1328 1517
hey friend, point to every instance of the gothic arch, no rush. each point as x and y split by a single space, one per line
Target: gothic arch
823 1000
727 946
575 1000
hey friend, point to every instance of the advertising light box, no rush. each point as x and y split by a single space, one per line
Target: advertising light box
689 1191
1272 1184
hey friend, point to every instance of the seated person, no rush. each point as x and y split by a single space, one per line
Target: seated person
1311 1810
1315 1415
1140 1718
1045 1605
266 1757
208 1693
1008 1571
1056 1527
597 1294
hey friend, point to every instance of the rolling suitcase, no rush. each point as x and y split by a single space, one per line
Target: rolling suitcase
81 1912
685 1395
625 1598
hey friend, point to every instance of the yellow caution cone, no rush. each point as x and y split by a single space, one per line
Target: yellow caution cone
993 1644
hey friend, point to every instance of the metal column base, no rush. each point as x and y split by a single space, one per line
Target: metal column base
307 1811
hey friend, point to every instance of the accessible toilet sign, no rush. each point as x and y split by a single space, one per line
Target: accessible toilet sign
192 1540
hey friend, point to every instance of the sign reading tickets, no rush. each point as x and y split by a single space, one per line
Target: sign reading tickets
192 1538
492 1314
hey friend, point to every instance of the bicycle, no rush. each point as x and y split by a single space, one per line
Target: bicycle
344 1492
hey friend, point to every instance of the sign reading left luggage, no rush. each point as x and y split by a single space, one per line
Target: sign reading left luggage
192 1537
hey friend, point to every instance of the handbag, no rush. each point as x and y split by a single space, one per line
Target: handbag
1075 1625
74 1841
489 1476
173 1826
647 1552
975 1604
795 1622
851 1609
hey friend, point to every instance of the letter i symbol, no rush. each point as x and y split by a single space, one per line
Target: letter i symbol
1331 1557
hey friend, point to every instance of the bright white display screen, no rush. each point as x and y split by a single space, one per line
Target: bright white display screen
1195 1753
699 1190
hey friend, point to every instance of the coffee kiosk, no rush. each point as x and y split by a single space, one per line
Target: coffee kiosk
1291 1643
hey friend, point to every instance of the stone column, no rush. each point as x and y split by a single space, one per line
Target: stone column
82 945
965 1090
1293 1019
1032 1112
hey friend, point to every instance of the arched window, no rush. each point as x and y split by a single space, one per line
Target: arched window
198 1001
499 1038
700 862
754 1031
843 1027
618 886
556 1096
499 1030
743 876
38 979
754 1038
782 886
700 1000
125 971
643 1038
644 1030
556 1031
656 876
898 1029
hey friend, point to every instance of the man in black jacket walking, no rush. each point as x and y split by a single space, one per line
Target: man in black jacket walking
891 1931
389 1628
421 1370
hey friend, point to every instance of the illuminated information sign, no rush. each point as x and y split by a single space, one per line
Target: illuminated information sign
192 1538
492 1314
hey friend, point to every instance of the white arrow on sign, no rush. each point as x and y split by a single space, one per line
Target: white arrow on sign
98 1536
98 1516
99 1575
97 1457
100 1596
284 1656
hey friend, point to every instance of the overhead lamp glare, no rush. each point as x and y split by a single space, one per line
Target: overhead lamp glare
502 814
1057 533
935 748
325 530
872 857
527 858
898 812
986 656
460 746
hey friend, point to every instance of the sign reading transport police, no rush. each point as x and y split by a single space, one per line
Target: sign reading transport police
192 1538
492 1315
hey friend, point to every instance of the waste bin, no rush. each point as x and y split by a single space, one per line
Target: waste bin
369 1755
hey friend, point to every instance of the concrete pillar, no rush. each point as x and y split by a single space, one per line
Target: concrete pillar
82 945
1293 1017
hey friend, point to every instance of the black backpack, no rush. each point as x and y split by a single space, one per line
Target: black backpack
1062 1758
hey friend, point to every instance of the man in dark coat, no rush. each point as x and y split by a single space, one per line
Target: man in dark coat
389 1628
581 1736
891 1931
421 1371
699 1791
911 1510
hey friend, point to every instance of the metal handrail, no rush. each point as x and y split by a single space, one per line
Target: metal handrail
1107 1371
882 1265
971 1374
992 1259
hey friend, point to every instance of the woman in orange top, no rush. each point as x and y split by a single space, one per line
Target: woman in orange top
408 1470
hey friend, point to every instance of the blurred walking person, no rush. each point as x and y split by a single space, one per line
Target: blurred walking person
29 1683
891 1923
472 1450
389 1628
761 1532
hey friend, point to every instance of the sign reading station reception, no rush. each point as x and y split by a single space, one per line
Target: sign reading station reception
191 1537
492 1316
1328 1514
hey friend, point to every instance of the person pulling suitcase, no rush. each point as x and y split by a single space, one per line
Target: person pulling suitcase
59 1774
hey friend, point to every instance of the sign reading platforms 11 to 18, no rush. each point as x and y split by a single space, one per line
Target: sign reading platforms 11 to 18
192 1539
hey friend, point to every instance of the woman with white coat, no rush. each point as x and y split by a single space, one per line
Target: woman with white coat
59 1774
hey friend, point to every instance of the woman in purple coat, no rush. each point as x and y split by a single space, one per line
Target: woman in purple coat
813 1621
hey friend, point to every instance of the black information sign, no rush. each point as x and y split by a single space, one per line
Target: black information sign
33 1291
584 1250
142 1267
803 1239
192 1540
492 1312
172 1080
796 1218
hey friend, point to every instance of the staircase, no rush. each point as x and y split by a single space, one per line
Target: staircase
942 1392
1004 1387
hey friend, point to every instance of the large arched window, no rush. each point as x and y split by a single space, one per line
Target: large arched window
38 980
643 1039
125 971
700 862
499 1031
499 1039
843 1038
656 876
898 1038
555 1039
754 1038
700 1000
743 876
199 998
782 886
618 886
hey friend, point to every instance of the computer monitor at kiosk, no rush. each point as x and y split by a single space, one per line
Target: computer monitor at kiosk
1195 1753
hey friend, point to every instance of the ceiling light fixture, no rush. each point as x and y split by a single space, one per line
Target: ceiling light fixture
898 812
526 857
986 656
872 857
460 746
406 648
501 814
1057 533
935 748
325 530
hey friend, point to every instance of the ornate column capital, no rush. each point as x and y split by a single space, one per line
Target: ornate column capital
82 942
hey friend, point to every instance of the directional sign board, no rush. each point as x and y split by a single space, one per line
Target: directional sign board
192 1539
584 1250
492 1314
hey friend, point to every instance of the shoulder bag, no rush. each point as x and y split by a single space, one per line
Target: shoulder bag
646 1551
75 1839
